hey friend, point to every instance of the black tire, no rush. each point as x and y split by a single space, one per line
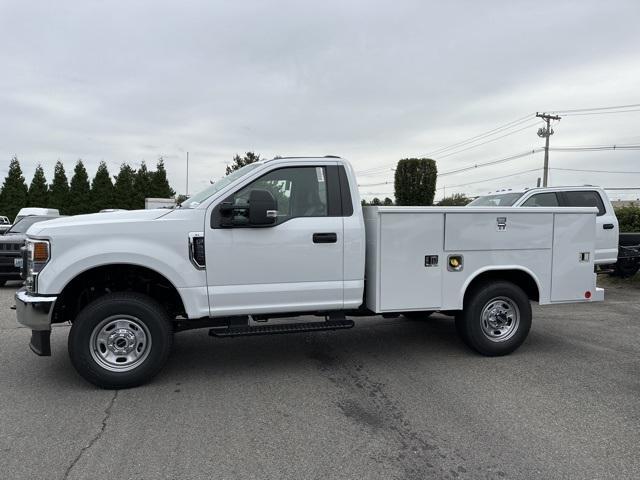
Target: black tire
484 336
145 315
417 315
626 267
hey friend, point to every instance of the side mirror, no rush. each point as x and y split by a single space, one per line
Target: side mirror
263 208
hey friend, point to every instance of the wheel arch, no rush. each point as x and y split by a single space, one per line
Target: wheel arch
99 280
520 276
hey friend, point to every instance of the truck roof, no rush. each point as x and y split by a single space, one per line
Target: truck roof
316 157
544 189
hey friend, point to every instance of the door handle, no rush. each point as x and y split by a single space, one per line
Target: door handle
325 237
608 226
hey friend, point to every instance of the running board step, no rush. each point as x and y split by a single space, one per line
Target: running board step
281 328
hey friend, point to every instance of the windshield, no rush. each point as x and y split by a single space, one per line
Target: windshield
498 200
200 197
21 226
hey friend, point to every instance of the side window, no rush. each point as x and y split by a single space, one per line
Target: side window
585 199
299 191
548 199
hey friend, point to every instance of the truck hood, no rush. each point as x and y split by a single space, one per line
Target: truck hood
94 219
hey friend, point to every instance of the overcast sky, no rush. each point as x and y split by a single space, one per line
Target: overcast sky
370 81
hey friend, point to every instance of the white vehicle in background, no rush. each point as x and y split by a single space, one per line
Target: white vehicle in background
288 237
28 211
5 224
151 203
607 232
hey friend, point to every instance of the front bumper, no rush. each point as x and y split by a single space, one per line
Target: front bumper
34 311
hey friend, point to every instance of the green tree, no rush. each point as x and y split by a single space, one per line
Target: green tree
239 162
629 218
376 202
101 189
14 190
455 200
159 185
123 192
38 195
415 181
79 191
142 185
59 189
387 202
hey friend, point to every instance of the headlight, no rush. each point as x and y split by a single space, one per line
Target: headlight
38 254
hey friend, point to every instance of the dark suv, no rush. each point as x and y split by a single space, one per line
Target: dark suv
10 245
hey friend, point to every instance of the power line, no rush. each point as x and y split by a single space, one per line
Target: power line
584 148
468 141
614 146
472 167
595 148
374 184
488 141
600 113
489 179
492 162
488 133
596 108
594 171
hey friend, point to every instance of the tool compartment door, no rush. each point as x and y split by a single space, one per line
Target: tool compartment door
574 234
406 283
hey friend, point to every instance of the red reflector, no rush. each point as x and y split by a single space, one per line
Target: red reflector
587 295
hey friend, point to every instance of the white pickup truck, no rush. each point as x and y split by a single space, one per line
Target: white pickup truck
285 237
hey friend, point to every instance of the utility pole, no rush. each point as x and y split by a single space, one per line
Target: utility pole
187 189
546 133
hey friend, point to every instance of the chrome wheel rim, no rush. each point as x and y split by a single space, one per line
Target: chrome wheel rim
500 319
120 343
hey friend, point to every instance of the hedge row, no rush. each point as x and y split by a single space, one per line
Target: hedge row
629 218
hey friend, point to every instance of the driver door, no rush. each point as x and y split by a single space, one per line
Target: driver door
292 265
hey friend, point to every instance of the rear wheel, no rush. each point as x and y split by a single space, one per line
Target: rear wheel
496 319
626 267
120 340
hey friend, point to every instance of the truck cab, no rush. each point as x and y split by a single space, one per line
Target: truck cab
607 230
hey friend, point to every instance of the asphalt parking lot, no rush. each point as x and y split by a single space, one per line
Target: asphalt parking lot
390 398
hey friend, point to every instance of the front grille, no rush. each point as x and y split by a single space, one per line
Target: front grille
10 246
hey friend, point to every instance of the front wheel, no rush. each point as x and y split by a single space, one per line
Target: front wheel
120 340
496 319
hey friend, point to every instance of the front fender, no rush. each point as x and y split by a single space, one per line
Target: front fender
164 258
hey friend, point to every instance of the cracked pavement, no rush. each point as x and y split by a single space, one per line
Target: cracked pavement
390 398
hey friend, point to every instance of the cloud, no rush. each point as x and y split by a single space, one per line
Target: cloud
374 82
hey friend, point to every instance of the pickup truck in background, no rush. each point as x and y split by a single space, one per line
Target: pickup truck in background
607 231
287 237
5 224
11 244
